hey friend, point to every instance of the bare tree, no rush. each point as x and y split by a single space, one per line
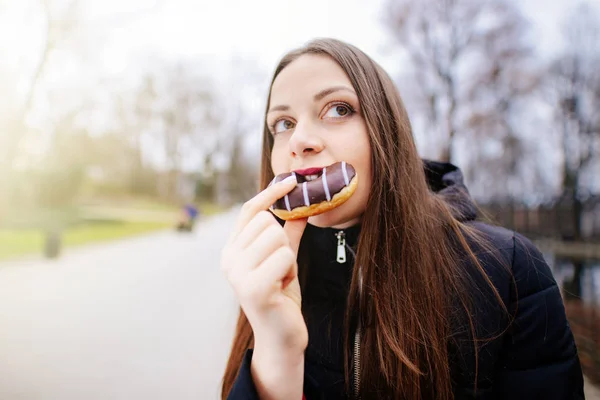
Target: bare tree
502 82
135 117
178 106
455 47
63 21
240 177
576 80
228 169
59 23
245 105
435 41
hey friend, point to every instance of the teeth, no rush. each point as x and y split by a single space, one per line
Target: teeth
311 177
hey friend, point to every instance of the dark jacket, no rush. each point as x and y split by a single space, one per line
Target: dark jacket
535 358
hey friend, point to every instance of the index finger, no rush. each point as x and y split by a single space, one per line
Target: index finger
263 200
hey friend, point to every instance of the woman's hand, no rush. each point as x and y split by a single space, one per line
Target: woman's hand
260 263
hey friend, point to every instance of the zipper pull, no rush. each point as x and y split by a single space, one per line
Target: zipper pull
341 247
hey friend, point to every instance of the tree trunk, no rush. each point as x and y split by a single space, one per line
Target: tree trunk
577 214
572 288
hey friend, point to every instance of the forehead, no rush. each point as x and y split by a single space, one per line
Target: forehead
307 75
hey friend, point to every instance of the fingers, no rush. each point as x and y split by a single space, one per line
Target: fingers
279 266
258 285
260 256
294 230
263 235
267 243
264 200
255 227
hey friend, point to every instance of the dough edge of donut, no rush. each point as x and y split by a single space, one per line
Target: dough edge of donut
315 209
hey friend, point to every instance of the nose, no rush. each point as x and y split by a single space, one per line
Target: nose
305 141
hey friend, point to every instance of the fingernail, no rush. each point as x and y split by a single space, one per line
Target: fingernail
290 179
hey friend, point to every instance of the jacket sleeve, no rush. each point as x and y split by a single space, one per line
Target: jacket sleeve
243 387
539 358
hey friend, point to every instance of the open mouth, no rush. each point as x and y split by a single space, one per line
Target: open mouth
309 177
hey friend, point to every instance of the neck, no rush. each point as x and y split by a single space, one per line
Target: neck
341 225
347 224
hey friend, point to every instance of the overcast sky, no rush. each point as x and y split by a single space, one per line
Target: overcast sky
260 29
268 28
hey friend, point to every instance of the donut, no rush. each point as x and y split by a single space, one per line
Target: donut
316 195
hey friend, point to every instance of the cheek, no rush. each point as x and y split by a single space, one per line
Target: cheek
363 160
278 159
361 154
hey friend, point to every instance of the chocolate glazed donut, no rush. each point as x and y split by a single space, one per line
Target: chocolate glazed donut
333 186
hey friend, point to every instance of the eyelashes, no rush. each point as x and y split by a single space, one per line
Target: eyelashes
328 107
333 104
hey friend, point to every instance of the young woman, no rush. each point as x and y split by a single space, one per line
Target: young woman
398 293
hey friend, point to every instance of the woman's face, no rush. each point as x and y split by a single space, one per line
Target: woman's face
315 118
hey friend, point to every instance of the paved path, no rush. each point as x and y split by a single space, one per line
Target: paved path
591 391
146 318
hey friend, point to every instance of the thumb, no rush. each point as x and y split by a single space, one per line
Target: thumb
294 230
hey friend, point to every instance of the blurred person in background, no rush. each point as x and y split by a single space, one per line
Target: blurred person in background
187 217
429 302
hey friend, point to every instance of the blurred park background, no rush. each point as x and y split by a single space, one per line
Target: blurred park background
116 114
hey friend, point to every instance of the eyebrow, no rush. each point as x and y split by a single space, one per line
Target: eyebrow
319 96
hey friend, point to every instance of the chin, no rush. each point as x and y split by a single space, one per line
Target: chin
340 218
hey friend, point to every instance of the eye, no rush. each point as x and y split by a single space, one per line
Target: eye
282 125
339 110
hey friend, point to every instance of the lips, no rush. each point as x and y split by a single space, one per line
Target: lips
308 174
309 171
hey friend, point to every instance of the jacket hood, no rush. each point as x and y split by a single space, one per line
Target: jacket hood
447 181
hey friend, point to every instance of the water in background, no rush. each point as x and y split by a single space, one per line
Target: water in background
585 286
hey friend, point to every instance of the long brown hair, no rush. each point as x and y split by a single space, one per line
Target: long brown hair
410 253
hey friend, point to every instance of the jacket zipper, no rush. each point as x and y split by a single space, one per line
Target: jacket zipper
356 357
341 247
341 258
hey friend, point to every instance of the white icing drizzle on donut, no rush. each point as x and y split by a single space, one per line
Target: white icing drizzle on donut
271 207
287 199
274 180
305 193
346 180
325 185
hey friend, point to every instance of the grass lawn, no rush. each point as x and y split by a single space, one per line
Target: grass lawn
97 232
22 233
14 243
